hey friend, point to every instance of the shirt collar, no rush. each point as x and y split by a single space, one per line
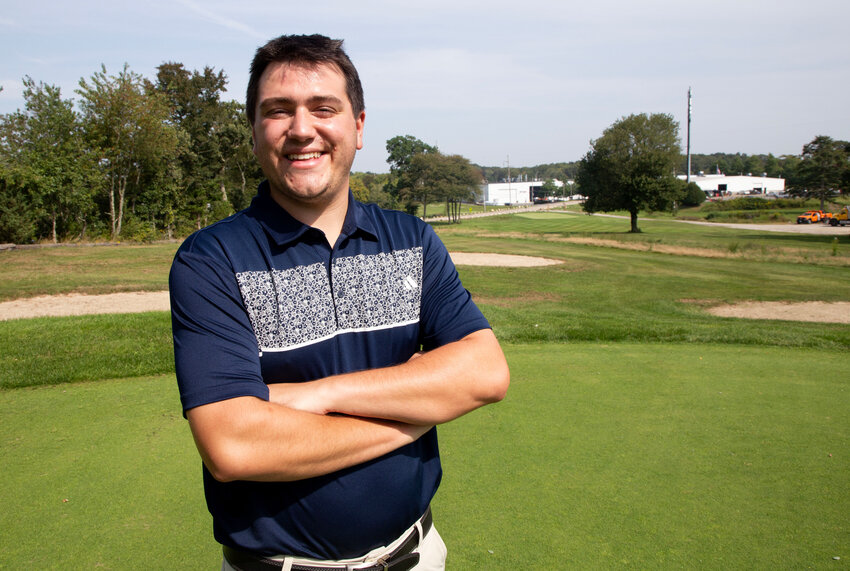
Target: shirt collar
283 228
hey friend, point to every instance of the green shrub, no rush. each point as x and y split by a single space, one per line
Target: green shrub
694 195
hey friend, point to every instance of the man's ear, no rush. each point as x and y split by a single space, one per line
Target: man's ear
359 121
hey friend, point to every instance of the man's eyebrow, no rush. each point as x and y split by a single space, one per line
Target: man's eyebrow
289 102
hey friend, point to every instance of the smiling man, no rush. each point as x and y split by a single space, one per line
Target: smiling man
318 342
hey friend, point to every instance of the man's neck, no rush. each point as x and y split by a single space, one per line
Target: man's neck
325 216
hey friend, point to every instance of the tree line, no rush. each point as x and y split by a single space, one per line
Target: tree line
143 159
133 159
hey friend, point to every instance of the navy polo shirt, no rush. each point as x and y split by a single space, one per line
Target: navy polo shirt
261 298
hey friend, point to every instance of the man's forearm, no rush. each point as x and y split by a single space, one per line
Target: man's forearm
436 387
250 439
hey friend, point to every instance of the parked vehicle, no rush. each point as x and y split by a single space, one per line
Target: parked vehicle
840 218
811 216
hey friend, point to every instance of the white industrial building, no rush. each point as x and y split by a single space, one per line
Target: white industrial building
523 192
723 185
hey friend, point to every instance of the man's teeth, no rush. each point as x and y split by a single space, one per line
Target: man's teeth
304 156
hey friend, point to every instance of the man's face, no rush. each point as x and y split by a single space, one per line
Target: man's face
305 133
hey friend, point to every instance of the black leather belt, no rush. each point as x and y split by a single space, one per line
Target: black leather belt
400 559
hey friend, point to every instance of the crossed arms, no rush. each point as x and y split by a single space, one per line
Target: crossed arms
318 427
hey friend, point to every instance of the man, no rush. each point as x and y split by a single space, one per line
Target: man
318 341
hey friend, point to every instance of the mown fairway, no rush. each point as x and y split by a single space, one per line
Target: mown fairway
638 432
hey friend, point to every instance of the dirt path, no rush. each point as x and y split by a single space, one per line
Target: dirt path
816 229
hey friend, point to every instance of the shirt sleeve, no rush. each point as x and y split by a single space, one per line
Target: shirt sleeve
215 350
448 312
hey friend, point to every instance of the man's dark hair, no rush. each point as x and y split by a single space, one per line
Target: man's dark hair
305 50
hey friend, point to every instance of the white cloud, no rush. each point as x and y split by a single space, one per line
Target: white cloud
221 20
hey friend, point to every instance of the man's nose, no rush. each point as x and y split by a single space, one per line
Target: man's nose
301 126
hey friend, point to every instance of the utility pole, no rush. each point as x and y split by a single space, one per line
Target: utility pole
690 108
510 190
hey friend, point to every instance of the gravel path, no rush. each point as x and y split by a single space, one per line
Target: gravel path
817 229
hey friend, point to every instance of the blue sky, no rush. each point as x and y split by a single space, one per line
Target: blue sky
530 82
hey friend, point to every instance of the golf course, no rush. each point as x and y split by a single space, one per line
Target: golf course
640 430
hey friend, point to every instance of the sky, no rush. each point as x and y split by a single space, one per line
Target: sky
501 83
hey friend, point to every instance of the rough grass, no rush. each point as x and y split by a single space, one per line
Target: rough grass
85 269
661 236
47 351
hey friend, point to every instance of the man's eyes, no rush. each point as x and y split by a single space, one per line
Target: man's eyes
277 112
322 112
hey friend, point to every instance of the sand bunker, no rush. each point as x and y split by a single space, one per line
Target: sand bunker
500 260
78 304
819 311
138 302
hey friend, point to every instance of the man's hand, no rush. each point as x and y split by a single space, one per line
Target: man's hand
430 388
307 396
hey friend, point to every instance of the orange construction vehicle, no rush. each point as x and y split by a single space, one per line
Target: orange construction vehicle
811 216
840 218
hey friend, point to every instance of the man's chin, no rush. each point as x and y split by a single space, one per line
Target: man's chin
308 194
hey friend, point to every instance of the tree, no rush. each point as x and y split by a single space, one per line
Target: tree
631 166
19 204
753 165
238 168
790 167
129 129
47 162
460 181
217 136
550 189
416 182
400 152
20 207
772 166
376 184
692 194
824 167
432 176
358 188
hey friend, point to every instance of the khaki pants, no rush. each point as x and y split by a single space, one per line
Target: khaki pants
432 555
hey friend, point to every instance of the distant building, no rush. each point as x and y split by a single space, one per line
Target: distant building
517 192
722 185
